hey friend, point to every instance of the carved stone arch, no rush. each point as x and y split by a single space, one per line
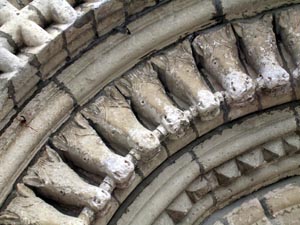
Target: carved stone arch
81 128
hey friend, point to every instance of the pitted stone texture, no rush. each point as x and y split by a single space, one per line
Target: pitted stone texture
218 52
150 100
178 71
260 47
86 149
115 120
54 179
27 209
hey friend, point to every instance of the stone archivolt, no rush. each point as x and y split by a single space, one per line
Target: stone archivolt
156 100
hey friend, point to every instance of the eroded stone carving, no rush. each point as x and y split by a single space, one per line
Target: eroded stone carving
115 120
20 28
149 99
261 51
55 179
288 23
179 73
218 53
27 209
86 149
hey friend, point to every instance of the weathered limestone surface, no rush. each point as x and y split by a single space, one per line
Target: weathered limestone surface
139 85
27 209
262 53
52 177
108 111
178 71
148 113
86 149
218 53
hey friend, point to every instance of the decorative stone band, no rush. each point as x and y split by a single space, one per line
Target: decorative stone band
219 170
37 39
135 114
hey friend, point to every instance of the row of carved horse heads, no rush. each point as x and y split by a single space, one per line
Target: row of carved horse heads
143 89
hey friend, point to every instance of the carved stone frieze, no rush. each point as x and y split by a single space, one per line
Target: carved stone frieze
218 53
288 22
56 180
85 148
27 209
148 96
179 73
260 47
115 120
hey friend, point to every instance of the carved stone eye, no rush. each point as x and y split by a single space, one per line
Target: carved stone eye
215 62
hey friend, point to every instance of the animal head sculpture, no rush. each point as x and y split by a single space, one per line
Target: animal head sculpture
27 209
115 120
180 75
218 53
260 46
56 180
85 148
149 98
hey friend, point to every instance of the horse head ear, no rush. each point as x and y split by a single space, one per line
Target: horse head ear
197 47
24 191
113 93
160 61
52 155
186 45
229 32
32 179
238 29
124 86
8 218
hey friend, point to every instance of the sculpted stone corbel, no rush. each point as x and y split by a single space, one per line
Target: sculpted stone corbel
147 95
85 148
180 75
288 22
114 119
259 44
27 209
218 54
56 180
